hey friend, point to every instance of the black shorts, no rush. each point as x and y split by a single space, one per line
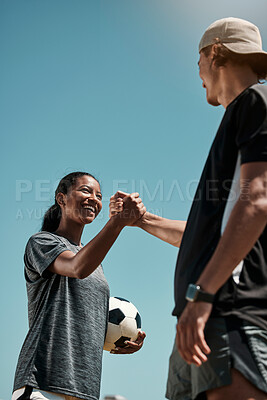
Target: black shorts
235 344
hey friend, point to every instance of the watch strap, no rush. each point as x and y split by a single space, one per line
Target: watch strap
195 293
204 296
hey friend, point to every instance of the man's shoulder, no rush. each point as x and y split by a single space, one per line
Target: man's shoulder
251 104
261 91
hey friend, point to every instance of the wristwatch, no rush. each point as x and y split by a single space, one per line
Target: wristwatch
194 293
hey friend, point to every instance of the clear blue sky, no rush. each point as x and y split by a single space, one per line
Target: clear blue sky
110 87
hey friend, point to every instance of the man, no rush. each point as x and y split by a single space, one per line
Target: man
221 272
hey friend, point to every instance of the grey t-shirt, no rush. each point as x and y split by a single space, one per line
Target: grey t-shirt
63 349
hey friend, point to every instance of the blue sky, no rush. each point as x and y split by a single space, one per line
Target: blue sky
110 87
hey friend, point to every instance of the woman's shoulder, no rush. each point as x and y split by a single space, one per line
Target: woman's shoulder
44 244
41 250
44 235
48 241
43 238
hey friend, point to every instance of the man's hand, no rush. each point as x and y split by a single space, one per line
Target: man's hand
131 347
190 338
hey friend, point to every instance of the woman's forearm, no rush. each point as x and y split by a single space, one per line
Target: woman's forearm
91 255
83 263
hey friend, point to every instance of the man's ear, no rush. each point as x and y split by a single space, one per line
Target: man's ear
216 56
60 198
214 51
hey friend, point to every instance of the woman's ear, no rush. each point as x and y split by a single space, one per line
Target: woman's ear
60 198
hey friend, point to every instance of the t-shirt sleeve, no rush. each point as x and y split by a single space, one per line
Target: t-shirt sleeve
251 138
41 250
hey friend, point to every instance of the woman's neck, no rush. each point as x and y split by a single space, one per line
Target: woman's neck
71 231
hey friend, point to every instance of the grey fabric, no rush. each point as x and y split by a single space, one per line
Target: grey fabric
62 352
234 344
186 382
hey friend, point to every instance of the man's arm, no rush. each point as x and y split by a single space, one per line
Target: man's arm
168 230
246 223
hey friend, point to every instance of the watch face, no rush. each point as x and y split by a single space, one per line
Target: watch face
191 293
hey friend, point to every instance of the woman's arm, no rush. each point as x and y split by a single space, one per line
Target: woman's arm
168 230
83 263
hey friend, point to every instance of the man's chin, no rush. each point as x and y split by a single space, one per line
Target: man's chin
213 102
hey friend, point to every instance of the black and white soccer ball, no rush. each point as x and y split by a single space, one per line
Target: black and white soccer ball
124 323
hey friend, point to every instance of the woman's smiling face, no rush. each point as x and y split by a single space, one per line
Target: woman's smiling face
83 202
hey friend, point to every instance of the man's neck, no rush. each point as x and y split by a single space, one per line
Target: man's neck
234 80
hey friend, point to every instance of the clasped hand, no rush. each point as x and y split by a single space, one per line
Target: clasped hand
129 207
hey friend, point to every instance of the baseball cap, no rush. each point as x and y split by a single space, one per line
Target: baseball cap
238 35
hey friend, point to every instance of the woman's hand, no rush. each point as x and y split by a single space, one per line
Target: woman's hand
128 208
116 203
122 203
131 347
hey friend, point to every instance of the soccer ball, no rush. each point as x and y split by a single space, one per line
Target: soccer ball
124 323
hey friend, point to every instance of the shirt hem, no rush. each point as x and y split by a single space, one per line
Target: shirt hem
56 389
252 319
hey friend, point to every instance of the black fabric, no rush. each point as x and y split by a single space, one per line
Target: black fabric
239 345
27 393
201 396
248 351
242 132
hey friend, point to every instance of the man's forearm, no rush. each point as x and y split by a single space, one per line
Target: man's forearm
168 230
246 223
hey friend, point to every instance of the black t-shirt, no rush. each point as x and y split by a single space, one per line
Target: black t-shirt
241 138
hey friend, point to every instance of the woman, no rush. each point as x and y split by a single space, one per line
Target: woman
68 295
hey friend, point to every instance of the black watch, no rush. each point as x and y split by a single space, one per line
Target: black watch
194 293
